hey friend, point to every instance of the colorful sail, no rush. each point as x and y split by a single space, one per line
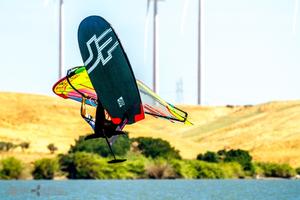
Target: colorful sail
156 106
77 84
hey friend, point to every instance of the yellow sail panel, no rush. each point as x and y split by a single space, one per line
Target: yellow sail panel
75 85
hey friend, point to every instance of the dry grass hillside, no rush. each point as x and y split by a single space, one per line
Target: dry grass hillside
271 131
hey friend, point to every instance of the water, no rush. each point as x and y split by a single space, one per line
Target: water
151 189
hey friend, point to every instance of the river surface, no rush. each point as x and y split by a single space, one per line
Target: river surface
151 189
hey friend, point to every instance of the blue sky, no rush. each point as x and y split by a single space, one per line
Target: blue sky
251 48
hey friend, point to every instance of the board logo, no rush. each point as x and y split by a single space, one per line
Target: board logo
121 102
100 46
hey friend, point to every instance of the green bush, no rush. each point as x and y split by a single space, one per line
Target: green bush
131 169
99 146
277 170
177 166
240 156
208 170
135 168
196 169
209 156
45 168
83 165
11 168
232 170
298 170
202 170
155 147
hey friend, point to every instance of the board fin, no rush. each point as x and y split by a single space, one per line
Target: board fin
116 161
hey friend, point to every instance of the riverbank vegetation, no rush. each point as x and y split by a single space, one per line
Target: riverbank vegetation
151 158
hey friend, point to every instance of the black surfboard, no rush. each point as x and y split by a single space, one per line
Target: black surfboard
109 70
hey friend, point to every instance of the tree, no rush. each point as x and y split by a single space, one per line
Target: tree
209 156
52 148
6 146
155 147
241 156
24 145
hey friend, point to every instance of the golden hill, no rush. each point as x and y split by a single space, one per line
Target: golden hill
271 132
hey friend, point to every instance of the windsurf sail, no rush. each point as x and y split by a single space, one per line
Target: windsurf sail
77 85
157 107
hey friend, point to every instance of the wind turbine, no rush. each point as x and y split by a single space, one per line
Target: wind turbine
200 43
155 36
61 42
60 38
199 54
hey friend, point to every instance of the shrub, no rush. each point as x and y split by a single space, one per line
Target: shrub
52 148
277 170
200 169
82 165
11 168
177 166
99 146
155 147
135 168
297 170
232 170
222 154
45 168
208 170
160 169
209 156
258 171
6 146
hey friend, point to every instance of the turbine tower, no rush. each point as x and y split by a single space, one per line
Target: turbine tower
200 43
155 21
199 54
60 37
60 42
